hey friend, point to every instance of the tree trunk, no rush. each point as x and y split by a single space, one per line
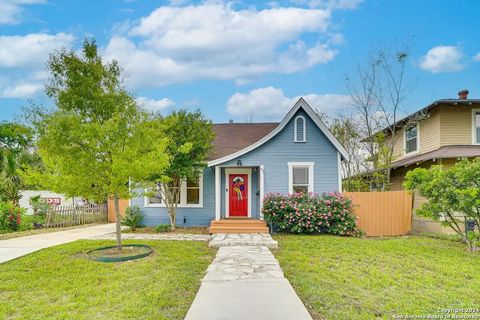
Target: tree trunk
118 227
172 214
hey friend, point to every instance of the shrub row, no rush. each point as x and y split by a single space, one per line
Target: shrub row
330 213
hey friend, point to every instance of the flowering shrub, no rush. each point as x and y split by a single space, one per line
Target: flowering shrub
10 216
331 213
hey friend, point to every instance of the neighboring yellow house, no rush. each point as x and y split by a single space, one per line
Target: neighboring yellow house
449 131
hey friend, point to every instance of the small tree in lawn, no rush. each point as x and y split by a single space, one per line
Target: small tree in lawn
97 138
190 138
453 196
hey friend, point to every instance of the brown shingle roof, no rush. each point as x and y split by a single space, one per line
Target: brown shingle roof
454 151
233 137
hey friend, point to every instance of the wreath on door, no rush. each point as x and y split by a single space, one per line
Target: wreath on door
238 186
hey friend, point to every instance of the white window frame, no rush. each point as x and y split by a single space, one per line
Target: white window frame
295 133
405 140
183 197
474 128
311 173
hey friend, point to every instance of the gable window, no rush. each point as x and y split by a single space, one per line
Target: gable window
191 194
300 177
300 130
411 139
476 126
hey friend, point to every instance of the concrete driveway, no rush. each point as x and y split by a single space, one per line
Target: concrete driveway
17 247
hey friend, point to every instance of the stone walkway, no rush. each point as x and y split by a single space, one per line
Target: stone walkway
156 236
245 281
243 239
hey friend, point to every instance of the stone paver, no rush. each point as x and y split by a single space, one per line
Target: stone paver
243 262
155 236
243 239
245 281
17 247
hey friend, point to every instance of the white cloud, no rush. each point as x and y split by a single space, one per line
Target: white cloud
21 91
330 4
11 10
31 50
477 57
23 59
270 104
154 105
442 59
214 41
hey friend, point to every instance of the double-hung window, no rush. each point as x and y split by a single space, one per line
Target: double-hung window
191 194
300 177
411 139
476 126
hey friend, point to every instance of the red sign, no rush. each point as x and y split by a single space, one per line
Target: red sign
238 195
54 201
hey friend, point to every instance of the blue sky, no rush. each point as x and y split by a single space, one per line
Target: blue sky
241 60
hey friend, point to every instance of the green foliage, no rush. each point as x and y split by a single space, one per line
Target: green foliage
453 195
39 206
162 228
307 213
10 216
97 140
16 142
133 218
190 137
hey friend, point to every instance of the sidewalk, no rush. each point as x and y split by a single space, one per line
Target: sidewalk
17 247
246 282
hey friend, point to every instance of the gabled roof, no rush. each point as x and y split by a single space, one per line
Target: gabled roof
233 137
301 103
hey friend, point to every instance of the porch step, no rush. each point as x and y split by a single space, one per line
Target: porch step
238 226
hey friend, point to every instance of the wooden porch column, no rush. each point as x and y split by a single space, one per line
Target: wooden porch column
218 194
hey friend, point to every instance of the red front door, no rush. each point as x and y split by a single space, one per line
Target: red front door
238 195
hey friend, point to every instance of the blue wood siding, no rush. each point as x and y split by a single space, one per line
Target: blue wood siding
193 216
274 155
281 149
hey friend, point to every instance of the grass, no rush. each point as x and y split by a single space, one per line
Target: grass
178 230
61 283
16 234
353 278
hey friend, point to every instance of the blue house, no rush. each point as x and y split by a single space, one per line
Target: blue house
250 160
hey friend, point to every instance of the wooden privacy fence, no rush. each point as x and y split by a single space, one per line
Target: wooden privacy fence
122 203
64 216
383 213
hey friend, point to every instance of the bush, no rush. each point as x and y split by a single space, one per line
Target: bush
10 216
310 213
163 228
133 218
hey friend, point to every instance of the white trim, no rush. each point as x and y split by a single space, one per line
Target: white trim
474 127
311 171
405 140
247 171
295 133
183 197
301 103
218 195
261 175
339 170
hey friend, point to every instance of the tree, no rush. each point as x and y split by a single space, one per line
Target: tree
16 152
378 93
190 135
97 140
453 197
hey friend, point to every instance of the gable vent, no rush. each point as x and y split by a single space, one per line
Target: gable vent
300 130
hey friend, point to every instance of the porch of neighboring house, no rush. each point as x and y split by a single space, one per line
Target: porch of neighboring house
238 194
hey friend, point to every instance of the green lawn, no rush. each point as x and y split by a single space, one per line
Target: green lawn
353 278
60 283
